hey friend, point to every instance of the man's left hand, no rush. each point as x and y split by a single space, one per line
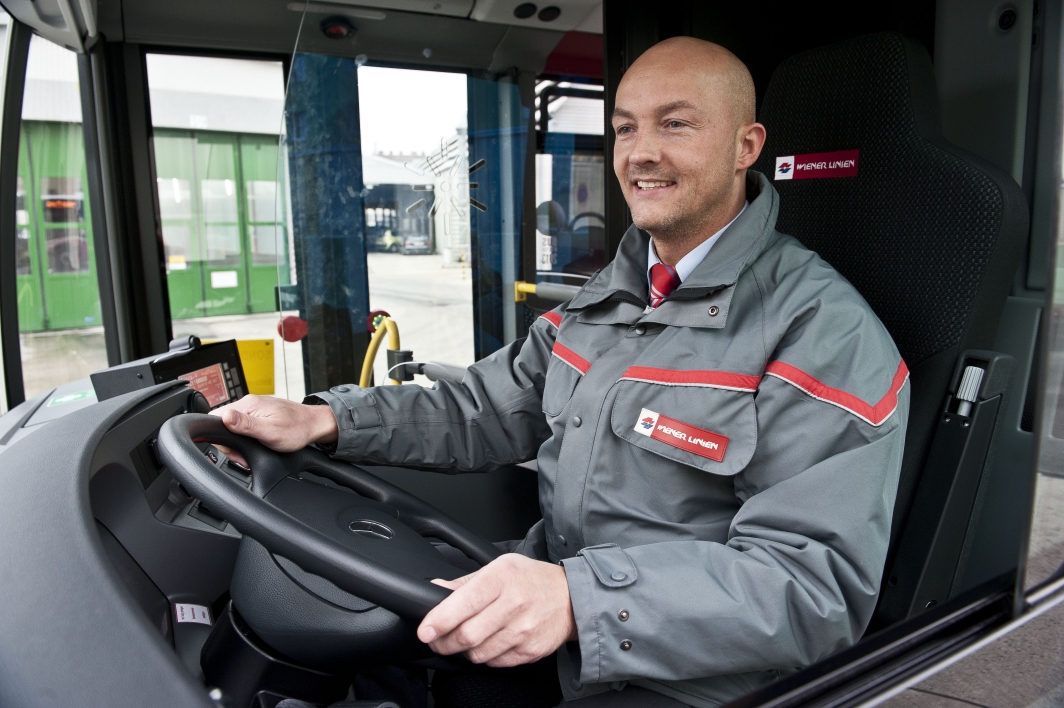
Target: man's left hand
514 610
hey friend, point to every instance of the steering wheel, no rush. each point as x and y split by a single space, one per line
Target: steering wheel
352 555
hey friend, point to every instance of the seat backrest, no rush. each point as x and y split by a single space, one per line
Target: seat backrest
929 234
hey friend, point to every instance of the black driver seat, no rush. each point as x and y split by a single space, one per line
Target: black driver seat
929 234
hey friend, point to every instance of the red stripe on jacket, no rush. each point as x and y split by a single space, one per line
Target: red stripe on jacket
709 379
874 414
553 317
571 358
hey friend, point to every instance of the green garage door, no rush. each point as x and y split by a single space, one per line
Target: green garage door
55 270
266 232
217 198
223 226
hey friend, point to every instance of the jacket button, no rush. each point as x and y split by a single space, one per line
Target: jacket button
640 330
626 645
618 576
713 311
561 539
341 389
575 684
623 615
576 421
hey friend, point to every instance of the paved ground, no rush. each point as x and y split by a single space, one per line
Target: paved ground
432 305
53 358
1046 551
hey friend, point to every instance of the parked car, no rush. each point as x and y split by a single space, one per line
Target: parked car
416 244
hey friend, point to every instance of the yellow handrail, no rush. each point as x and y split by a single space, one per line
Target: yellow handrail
522 290
386 325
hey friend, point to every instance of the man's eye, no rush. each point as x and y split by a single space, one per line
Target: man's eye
624 130
675 124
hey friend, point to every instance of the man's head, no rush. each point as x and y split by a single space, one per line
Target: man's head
685 136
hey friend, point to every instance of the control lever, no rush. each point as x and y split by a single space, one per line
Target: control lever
433 370
968 391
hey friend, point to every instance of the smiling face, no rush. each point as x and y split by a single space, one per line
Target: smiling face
683 124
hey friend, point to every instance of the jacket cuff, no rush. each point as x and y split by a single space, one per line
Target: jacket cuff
357 418
598 577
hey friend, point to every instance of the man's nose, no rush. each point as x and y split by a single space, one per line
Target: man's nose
646 149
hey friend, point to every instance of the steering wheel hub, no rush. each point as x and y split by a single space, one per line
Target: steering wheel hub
371 529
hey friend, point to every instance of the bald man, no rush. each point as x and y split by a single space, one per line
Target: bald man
718 419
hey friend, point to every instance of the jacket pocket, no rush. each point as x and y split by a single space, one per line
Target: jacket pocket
712 429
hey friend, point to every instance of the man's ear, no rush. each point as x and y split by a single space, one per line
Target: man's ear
751 140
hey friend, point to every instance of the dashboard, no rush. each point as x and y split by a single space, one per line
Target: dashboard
185 553
101 551
115 581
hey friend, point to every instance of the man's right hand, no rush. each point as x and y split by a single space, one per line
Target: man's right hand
279 424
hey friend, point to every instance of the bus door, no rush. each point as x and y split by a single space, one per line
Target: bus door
437 157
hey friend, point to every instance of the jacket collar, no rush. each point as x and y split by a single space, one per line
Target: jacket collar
625 277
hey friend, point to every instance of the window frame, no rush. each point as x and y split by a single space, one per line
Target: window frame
14 84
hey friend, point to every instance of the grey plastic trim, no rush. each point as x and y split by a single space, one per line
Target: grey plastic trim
94 131
70 633
141 165
555 292
55 20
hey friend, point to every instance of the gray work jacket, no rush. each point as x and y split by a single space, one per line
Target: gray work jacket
716 475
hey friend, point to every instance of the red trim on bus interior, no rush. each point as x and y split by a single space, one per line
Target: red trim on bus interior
577 54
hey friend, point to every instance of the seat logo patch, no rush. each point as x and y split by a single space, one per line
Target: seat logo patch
681 435
817 165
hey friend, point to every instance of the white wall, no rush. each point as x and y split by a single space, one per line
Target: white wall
206 93
51 83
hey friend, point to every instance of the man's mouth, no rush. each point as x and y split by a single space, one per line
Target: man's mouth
647 185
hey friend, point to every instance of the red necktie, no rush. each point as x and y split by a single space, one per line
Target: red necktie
663 280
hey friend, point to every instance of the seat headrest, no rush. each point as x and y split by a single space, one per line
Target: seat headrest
866 180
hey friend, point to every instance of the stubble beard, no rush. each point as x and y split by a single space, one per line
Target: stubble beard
686 222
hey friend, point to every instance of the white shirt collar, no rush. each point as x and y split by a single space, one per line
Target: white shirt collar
688 263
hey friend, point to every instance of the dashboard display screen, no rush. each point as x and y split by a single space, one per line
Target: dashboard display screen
210 381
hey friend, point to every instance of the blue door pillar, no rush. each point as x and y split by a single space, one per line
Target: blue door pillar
328 229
